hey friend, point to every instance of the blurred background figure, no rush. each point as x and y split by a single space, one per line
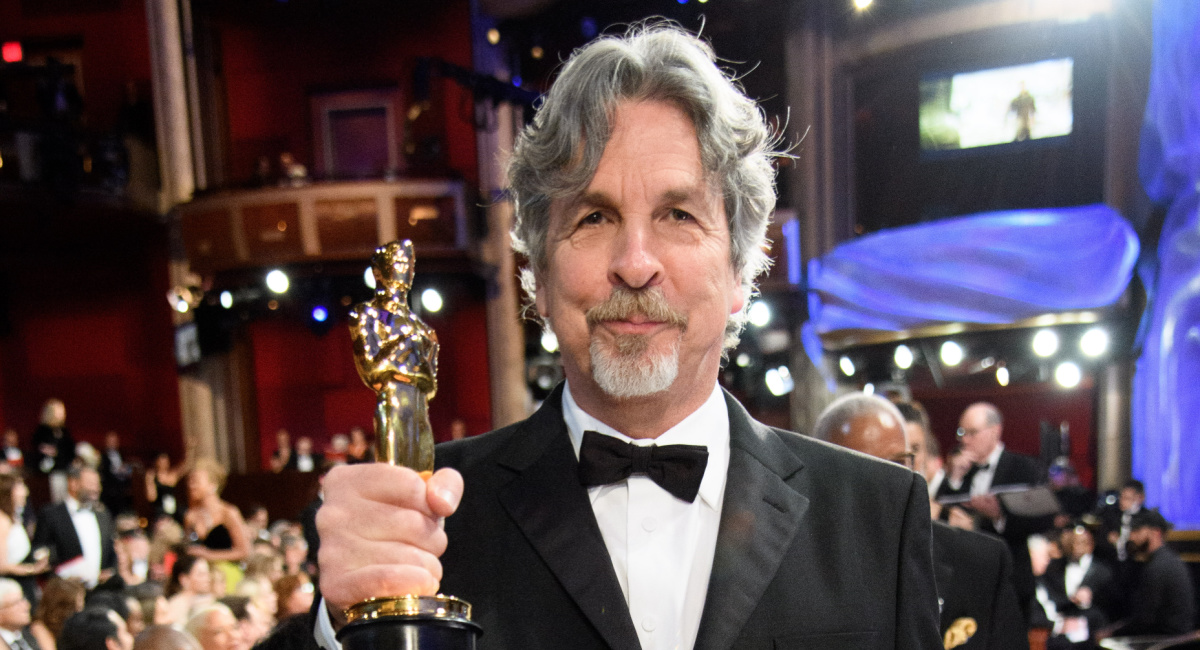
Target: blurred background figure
189 588
1078 582
162 489
78 531
52 448
1162 599
359 450
116 474
295 595
215 628
257 520
60 600
214 526
11 453
336 452
133 556
305 459
164 637
16 560
96 628
14 617
282 456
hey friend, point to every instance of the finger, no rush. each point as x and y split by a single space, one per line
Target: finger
444 491
379 581
380 482
346 526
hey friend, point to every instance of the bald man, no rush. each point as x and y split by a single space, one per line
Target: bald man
972 570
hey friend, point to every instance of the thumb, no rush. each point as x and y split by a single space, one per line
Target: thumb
443 491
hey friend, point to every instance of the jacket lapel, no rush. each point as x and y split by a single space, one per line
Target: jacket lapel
759 518
552 509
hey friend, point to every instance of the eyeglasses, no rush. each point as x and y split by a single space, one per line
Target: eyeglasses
964 432
908 460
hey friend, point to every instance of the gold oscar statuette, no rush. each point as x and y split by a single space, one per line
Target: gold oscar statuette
396 356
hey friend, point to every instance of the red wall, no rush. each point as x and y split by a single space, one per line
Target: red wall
308 384
269 69
116 49
1023 406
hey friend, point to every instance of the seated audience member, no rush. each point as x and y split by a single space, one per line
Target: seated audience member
335 454
11 454
359 450
267 563
129 609
1060 629
294 594
61 599
295 554
14 542
164 637
163 490
214 627
305 459
78 534
252 625
189 587
154 607
95 628
257 521
1163 600
261 593
165 541
14 616
972 570
136 620
133 557
1077 580
282 456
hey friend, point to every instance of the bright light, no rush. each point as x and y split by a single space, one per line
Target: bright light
549 342
277 281
987 362
431 300
903 357
319 314
760 314
952 353
847 366
369 278
537 52
226 299
779 381
12 52
869 388
1094 342
181 306
493 36
862 4
1067 374
1045 343
743 360
1002 376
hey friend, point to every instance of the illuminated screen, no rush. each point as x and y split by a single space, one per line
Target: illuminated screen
996 106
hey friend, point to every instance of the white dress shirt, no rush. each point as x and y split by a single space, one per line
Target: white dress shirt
982 483
88 530
1075 572
661 547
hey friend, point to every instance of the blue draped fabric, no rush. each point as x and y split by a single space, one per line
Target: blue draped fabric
1166 391
997 267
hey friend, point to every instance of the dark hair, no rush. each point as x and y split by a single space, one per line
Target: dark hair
1136 485
7 483
107 599
237 605
1149 518
183 565
59 601
88 630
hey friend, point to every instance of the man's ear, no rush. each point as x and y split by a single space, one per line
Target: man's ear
112 644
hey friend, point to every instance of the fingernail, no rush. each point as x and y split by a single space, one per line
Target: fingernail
448 496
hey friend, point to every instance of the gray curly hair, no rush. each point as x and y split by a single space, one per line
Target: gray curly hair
652 61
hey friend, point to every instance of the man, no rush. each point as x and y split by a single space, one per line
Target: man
305 459
1078 581
972 570
1163 600
642 190
78 531
164 637
215 627
14 617
980 429
1114 522
115 475
95 628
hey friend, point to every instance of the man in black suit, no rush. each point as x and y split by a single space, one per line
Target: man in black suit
973 571
78 531
1163 599
643 191
980 429
1081 582
14 617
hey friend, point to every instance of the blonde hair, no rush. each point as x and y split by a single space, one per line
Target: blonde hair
216 472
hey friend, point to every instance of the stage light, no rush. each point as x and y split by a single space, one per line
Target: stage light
517 81
181 306
861 5
277 281
319 314
431 300
1045 343
537 52
743 360
1094 342
1002 376
847 366
779 381
226 299
549 342
1067 374
369 278
493 36
12 52
868 388
987 362
903 357
759 314
952 353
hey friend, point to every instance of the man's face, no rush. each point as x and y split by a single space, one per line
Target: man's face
914 433
1130 498
649 225
978 437
220 632
124 640
1139 541
86 488
877 434
304 446
1081 543
14 612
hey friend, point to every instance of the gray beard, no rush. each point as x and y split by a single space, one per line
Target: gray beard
626 372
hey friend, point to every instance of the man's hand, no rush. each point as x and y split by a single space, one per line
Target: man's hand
987 505
381 532
1083 597
960 518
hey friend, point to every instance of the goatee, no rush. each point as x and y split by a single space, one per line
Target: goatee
626 368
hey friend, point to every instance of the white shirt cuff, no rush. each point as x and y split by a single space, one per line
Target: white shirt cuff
323 629
999 524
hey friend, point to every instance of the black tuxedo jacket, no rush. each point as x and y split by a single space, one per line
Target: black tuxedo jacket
974 580
818 546
1099 578
56 531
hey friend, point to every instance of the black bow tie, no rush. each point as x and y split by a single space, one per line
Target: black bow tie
678 469
984 467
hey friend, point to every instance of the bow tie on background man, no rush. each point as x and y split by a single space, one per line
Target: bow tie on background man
678 469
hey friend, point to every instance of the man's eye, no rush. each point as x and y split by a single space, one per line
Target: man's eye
680 215
592 219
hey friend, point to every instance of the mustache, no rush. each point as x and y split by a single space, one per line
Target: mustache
624 303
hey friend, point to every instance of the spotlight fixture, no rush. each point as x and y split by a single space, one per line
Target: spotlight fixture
743 360
951 353
431 300
847 366
903 357
537 52
226 299
779 381
1067 374
862 5
549 342
493 36
1045 343
320 314
277 281
1094 342
759 314
1002 376
868 388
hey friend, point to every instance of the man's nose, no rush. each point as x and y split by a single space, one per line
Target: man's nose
635 259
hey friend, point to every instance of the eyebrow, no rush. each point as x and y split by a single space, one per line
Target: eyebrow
603 200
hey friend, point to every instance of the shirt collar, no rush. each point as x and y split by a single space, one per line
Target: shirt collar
707 425
994 457
1084 562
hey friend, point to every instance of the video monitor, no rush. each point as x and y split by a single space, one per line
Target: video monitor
996 106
